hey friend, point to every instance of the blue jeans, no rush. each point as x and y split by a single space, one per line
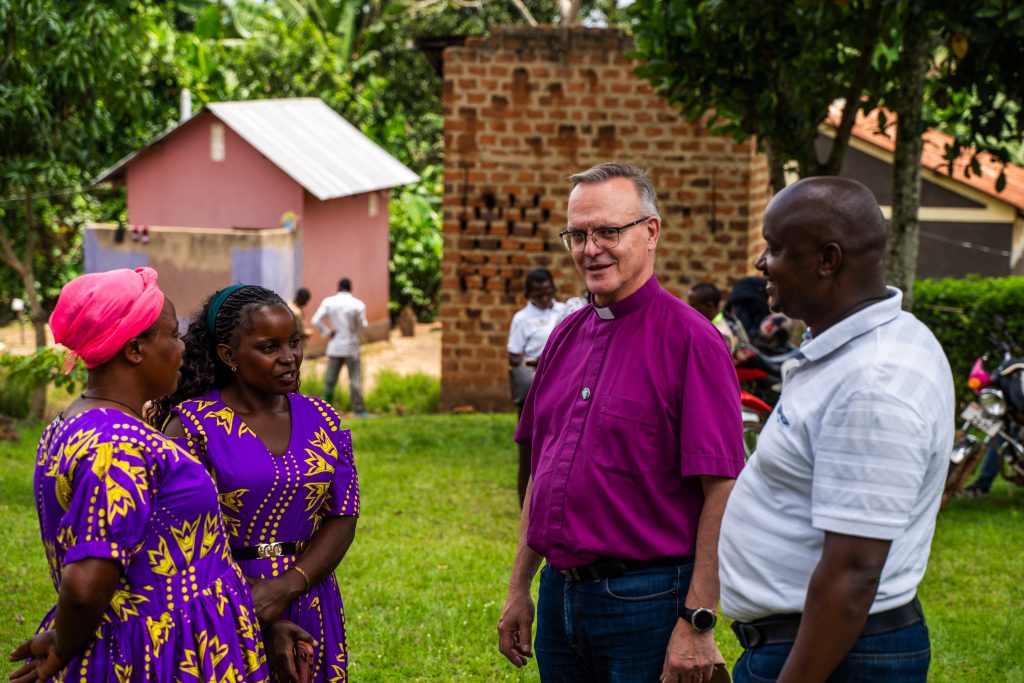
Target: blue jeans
613 630
896 657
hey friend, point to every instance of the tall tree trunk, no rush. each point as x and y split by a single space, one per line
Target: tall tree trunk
569 12
871 32
776 167
24 268
901 253
37 409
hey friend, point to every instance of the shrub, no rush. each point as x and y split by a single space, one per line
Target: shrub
413 394
960 314
16 396
20 375
313 385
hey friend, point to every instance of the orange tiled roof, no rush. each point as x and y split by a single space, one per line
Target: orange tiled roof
866 128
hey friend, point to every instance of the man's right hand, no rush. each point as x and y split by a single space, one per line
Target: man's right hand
515 627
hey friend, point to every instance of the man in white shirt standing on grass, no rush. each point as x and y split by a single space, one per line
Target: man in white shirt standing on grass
828 530
340 318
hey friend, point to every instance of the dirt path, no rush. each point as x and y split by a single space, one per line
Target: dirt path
404 355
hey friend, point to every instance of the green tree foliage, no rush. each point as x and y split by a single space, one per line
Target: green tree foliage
771 70
766 69
977 91
359 57
416 245
72 98
84 83
961 313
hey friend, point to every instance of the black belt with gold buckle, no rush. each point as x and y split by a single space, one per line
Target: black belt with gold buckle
782 629
611 567
265 550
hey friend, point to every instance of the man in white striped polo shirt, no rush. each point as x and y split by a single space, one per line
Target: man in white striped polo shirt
827 533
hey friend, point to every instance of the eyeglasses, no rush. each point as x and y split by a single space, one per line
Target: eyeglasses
604 238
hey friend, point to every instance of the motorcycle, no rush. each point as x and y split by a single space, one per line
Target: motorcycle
761 375
755 413
997 413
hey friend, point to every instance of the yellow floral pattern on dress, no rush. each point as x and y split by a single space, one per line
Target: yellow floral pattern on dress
316 492
322 440
232 499
248 628
120 499
63 490
124 603
317 465
82 442
212 531
268 496
224 418
208 653
161 561
185 535
110 486
159 631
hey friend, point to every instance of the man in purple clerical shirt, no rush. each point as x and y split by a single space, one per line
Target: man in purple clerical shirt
634 423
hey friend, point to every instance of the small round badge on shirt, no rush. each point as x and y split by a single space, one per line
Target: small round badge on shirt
585 394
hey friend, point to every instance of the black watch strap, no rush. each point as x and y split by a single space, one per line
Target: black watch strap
701 619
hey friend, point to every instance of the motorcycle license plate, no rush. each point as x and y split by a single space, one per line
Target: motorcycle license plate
974 414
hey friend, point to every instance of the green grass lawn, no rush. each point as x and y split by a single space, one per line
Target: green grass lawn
425 579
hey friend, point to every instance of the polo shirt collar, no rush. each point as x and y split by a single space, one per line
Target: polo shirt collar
633 302
859 323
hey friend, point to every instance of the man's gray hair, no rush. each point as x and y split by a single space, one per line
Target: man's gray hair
618 169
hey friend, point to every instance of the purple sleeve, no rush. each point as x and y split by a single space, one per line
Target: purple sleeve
711 427
343 493
108 503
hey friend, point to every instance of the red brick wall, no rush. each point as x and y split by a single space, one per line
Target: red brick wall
526 107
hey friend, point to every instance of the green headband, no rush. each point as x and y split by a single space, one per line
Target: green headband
218 300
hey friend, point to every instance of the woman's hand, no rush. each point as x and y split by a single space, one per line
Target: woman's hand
45 658
86 588
289 651
272 596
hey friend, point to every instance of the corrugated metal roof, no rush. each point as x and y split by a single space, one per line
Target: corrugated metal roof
310 142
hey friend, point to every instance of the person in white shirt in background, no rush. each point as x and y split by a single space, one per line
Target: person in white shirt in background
340 318
531 326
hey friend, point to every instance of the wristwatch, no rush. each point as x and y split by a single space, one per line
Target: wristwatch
701 619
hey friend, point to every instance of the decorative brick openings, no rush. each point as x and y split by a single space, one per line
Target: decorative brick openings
526 107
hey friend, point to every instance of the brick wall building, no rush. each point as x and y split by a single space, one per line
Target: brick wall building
526 107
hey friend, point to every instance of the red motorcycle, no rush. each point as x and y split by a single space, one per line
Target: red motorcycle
997 414
760 377
755 413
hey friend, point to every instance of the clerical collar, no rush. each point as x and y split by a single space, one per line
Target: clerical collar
633 302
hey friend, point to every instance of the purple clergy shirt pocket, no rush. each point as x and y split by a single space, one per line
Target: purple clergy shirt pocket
630 437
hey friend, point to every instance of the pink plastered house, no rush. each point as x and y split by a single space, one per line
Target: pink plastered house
283 193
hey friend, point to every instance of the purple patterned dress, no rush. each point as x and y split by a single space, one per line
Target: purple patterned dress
267 498
110 486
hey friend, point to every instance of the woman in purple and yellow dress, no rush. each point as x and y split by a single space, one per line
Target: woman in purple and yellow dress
130 522
283 464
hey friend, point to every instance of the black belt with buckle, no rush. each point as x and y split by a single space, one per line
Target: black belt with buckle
782 629
265 550
611 567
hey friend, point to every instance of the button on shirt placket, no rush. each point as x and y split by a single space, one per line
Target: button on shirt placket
589 387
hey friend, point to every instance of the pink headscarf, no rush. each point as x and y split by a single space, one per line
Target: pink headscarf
98 313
